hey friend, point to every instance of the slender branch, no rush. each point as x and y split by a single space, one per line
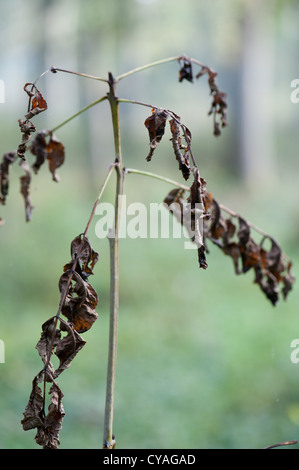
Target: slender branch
111 167
197 62
140 103
42 75
280 444
103 98
160 62
108 438
86 75
147 66
157 177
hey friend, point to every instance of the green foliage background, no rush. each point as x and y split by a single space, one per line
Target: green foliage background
203 359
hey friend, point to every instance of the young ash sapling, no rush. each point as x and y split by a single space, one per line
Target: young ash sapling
196 208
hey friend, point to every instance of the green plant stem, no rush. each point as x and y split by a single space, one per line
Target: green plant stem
102 188
108 438
160 62
81 111
157 177
86 75
147 66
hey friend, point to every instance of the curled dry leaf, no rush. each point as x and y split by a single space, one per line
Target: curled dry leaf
39 149
81 299
191 214
53 151
48 426
155 125
36 100
219 103
48 434
78 303
25 181
27 128
185 72
7 160
65 347
271 269
55 156
82 251
182 158
198 213
36 105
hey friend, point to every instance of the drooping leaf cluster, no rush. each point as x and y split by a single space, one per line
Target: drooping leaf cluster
219 104
78 302
233 235
201 214
45 146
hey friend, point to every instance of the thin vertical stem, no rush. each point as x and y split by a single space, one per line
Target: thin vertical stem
108 438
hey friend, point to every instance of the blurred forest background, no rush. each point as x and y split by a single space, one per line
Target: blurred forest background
203 358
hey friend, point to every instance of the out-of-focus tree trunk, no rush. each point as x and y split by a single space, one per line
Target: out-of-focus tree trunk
257 126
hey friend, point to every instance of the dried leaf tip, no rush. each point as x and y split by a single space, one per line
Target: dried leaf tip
185 72
81 298
155 125
36 105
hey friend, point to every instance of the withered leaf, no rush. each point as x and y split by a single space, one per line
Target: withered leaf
190 214
38 103
48 341
288 280
183 159
39 149
174 202
68 347
48 434
86 257
25 190
49 426
55 156
33 412
27 128
268 284
197 216
81 299
7 160
155 125
219 104
80 302
65 347
185 72
271 270
244 231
